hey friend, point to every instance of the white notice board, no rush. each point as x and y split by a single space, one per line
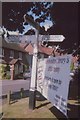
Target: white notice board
54 77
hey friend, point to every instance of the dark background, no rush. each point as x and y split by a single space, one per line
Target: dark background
64 14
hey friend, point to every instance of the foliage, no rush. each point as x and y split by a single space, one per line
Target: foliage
4 71
72 67
63 15
8 68
26 67
2 68
13 13
8 76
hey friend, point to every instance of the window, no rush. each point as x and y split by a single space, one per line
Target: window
20 55
11 54
20 68
1 52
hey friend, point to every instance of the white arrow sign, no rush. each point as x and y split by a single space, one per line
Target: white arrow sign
53 38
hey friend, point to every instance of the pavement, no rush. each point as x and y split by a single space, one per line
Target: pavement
19 108
19 105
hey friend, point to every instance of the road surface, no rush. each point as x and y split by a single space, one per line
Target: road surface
13 85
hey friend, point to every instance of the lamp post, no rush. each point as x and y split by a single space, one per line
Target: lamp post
32 95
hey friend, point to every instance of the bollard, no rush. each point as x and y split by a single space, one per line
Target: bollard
21 92
9 97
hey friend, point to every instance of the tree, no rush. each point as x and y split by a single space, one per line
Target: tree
30 32
65 16
12 15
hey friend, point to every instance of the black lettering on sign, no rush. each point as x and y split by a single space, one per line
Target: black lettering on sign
60 82
57 96
63 100
67 60
56 69
50 68
53 87
63 104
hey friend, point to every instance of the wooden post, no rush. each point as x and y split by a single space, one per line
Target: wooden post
21 92
9 97
12 72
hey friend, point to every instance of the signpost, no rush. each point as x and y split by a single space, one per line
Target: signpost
33 85
32 96
53 38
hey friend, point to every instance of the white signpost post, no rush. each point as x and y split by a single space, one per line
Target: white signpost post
32 95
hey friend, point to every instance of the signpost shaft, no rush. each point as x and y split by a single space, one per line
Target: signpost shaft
32 95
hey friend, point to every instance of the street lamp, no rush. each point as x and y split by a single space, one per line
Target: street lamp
32 95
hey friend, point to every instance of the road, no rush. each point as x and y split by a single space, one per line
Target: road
13 85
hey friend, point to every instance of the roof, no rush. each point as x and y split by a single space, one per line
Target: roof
14 61
23 45
13 46
45 50
29 49
42 49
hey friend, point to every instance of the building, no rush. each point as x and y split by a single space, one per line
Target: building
13 57
43 52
